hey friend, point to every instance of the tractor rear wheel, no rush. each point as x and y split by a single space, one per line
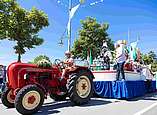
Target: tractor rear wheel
29 99
80 87
8 98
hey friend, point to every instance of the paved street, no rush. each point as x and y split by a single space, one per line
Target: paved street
146 105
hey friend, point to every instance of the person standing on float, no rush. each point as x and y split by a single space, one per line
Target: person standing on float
120 59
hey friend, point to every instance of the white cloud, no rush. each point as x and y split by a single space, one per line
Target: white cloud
58 1
94 3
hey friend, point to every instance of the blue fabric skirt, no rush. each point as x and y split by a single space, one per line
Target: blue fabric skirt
122 89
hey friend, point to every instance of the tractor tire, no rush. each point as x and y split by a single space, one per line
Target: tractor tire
29 99
80 87
58 97
6 98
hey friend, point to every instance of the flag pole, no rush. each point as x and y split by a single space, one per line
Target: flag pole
72 11
69 33
128 36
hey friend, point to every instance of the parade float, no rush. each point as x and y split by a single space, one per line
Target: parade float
138 77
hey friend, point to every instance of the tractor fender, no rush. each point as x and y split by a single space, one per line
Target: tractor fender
78 69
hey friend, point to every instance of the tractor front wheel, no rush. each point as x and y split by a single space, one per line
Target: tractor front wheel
8 98
80 87
29 99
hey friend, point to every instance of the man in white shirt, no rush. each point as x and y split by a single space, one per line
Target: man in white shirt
120 59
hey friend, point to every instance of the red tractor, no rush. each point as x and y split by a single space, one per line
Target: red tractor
28 85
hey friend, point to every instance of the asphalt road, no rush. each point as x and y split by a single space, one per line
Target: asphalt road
146 105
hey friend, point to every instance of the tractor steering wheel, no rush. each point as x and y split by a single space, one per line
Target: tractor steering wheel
59 63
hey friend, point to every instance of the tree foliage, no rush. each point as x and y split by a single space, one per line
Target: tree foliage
91 36
152 55
39 58
147 59
154 66
20 25
150 58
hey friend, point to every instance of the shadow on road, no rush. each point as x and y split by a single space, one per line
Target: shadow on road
54 107
96 102
151 96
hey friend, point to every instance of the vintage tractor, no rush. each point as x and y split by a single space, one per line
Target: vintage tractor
28 85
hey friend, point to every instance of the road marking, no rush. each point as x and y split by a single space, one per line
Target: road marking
146 109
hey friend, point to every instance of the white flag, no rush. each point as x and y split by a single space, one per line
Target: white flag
71 14
73 10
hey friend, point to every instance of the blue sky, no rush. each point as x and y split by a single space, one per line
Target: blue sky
139 16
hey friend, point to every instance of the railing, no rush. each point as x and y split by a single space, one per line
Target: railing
97 65
81 62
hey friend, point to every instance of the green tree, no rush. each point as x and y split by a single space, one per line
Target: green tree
150 58
91 37
147 59
39 58
21 26
42 61
152 55
154 66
